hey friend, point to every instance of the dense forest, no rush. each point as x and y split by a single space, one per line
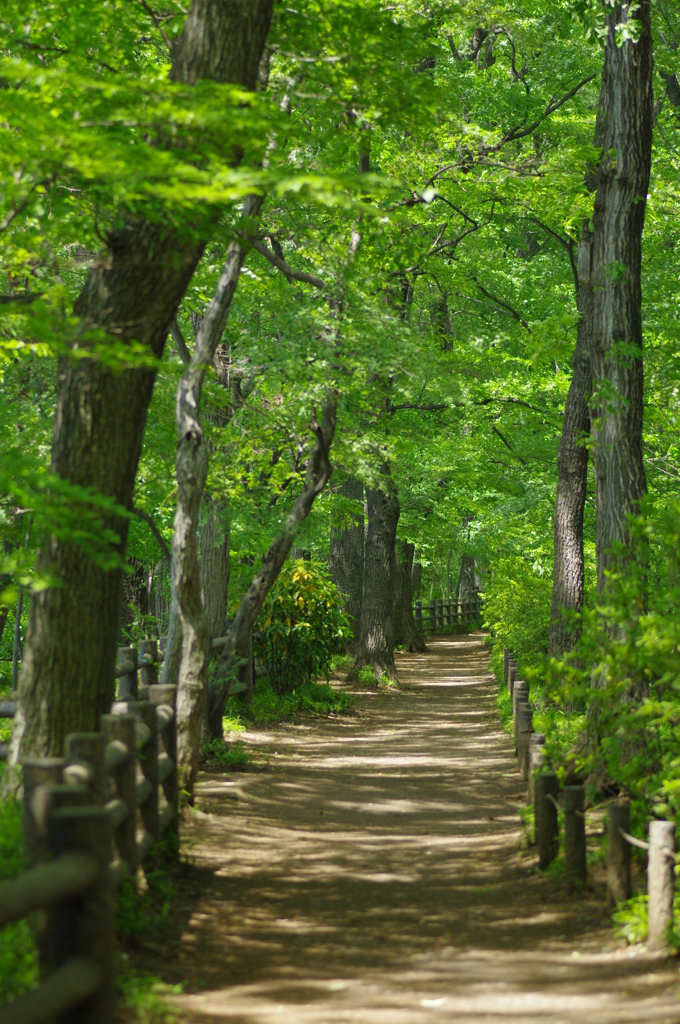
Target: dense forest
385 290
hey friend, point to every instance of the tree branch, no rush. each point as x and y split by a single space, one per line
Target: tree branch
566 243
181 346
148 519
508 445
288 272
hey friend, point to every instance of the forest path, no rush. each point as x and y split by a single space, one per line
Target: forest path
374 875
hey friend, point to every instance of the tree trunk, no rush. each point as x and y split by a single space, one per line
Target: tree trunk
214 565
239 644
618 221
133 295
572 455
416 580
346 560
405 632
572 471
192 472
376 647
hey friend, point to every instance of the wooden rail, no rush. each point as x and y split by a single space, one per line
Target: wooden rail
443 614
549 802
90 820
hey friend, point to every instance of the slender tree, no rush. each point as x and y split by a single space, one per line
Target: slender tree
346 559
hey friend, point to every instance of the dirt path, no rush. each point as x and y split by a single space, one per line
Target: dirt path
374 875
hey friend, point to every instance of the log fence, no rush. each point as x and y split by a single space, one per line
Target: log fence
441 615
91 819
550 805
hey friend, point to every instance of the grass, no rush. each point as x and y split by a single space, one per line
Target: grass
268 706
227 757
145 997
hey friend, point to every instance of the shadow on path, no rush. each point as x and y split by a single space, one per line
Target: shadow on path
375 874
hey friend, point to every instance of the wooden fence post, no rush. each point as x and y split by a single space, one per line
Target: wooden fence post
148 662
506 665
121 729
447 611
525 727
545 816
433 617
440 613
618 853
85 763
512 675
536 761
166 696
573 804
419 616
148 760
38 772
660 882
128 686
520 695
83 927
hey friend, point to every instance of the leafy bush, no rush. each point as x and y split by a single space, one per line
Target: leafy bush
302 626
517 603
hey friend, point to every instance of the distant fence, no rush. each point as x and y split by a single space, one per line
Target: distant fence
90 820
548 801
443 614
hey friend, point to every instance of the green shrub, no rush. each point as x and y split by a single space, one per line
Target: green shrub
227 757
268 706
517 603
367 676
301 626
18 954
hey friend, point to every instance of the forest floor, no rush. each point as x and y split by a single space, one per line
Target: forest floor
377 873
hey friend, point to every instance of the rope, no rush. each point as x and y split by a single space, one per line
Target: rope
635 842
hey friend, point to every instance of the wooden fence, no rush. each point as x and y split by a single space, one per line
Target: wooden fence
443 614
549 803
90 821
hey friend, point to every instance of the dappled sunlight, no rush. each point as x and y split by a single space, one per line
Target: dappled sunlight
375 873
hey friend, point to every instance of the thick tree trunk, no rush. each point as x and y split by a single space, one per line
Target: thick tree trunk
376 648
405 632
133 294
572 471
618 221
346 560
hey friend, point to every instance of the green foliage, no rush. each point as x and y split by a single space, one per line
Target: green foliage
367 676
517 601
341 663
269 706
631 919
146 997
18 953
302 626
226 757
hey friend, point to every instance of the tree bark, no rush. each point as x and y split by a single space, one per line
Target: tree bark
572 471
192 472
572 455
317 475
618 221
346 559
214 566
133 295
376 647
405 632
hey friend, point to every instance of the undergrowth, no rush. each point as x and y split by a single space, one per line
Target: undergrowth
226 757
268 706
18 953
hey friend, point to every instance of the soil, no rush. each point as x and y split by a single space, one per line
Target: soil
378 873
